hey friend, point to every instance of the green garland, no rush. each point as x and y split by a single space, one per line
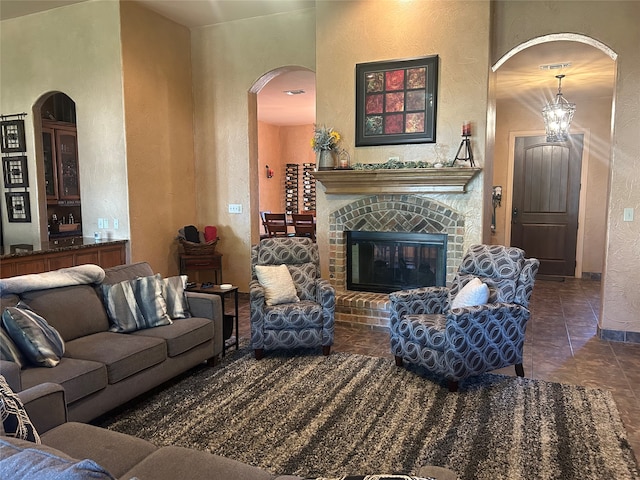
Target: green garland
392 165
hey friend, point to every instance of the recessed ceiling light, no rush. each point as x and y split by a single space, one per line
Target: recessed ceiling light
555 66
294 92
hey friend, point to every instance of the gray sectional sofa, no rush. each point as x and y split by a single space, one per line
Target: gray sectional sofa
102 369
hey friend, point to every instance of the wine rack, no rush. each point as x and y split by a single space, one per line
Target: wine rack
308 188
291 188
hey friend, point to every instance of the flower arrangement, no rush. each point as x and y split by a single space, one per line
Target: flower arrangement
325 139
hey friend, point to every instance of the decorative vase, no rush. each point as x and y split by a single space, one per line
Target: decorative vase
325 160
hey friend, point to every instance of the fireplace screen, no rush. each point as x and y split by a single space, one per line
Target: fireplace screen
389 261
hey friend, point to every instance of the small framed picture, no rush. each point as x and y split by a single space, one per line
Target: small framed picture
15 172
396 101
18 207
13 139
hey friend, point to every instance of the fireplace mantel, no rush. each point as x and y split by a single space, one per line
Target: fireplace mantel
403 180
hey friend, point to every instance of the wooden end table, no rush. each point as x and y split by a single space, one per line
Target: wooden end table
223 293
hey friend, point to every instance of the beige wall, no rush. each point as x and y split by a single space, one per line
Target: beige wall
351 32
156 66
75 50
593 118
615 25
227 60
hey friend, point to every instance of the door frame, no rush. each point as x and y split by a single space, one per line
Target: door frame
508 188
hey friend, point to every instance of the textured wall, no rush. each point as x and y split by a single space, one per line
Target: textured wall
75 50
156 66
227 60
351 32
614 24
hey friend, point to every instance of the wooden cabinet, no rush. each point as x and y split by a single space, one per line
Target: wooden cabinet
198 263
60 152
105 255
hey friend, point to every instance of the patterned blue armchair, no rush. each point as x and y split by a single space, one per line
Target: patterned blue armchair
456 343
308 323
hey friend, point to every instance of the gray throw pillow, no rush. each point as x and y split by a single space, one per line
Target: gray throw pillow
38 341
15 421
173 293
135 304
9 351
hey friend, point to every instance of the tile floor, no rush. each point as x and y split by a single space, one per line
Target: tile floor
561 346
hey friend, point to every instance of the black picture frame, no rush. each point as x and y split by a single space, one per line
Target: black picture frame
15 172
396 101
18 207
13 139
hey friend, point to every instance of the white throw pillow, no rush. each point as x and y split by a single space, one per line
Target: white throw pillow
473 293
277 283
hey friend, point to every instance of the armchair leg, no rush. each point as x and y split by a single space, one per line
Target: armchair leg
453 385
519 370
326 350
259 353
398 361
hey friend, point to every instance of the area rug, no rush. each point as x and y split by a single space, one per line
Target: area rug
316 416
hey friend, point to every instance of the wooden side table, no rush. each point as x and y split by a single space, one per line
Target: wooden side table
228 316
198 263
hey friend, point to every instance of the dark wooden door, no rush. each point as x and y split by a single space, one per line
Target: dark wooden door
546 197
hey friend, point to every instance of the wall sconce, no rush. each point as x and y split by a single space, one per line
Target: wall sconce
496 199
269 171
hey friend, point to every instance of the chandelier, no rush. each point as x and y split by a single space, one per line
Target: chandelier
558 115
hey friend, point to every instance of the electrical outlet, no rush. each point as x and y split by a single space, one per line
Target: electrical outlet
235 208
100 223
628 215
106 223
116 224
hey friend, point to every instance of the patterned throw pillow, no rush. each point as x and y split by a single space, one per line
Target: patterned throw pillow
9 351
135 304
38 341
173 294
15 421
277 283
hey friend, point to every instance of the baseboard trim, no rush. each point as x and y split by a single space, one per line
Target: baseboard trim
619 335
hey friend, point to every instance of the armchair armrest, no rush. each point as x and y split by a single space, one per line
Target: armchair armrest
425 300
209 306
257 304
11 373
46 406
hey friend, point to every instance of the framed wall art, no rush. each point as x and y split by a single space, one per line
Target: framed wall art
13 139
14 171
18 206
396 101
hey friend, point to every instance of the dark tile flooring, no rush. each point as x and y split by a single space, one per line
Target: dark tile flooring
561 346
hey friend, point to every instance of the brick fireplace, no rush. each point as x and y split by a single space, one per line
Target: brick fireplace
386 213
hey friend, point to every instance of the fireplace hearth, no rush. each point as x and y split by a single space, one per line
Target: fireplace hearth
388 261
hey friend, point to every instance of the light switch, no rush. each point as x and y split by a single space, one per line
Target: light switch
628 214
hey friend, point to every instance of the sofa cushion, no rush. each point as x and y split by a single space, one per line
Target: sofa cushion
182 335
25 460
277 283
38 341
123 354
79 378
174 296
9 351
135 304
120 273
304 278
114 451
73 311
169 463
13 417
473 293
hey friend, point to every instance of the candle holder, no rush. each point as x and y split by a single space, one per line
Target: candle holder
464 152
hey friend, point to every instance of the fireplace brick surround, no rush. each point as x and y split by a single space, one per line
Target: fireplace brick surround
386 213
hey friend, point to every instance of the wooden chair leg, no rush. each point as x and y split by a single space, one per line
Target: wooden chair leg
326 350
398 361
519 370
453 385
259 353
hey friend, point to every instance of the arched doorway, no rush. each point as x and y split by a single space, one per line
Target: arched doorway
522 89
281 118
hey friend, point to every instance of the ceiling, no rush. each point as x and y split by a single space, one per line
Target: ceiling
591 73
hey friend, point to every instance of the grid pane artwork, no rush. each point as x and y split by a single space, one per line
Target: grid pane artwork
395 102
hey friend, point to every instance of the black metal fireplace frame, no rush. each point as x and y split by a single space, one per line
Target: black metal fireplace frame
427 239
